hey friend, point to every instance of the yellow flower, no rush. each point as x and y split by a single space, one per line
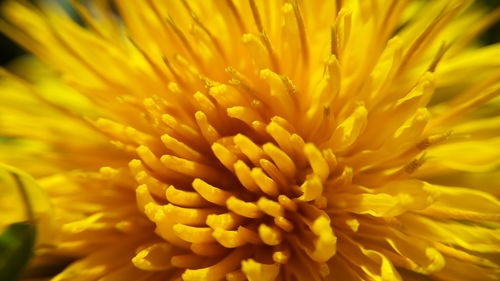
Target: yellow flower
260 139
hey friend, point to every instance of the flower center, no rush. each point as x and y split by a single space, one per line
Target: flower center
256 200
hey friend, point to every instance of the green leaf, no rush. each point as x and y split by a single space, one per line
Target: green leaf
25 220
16 248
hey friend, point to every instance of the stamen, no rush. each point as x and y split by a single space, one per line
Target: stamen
281 159
258 271
287 203
302 32
147 258
256 15
338 5
184 40
264 182
176 75
420 41
193 234
270 207
208 131
236 15
211 193
229 238
387 18
284 224
263 36
197 20
245 114
415 164
151 63
181 149
192 168
273 172
439 55
334 41
316 161
245 209
312 189
218 271
281 254
183 130
270 235
226 221
224 155
243 173
185 198
432 140
189 216
249 148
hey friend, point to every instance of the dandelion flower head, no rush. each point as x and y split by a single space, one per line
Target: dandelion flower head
259 140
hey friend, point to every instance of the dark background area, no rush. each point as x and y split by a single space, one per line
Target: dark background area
9 50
